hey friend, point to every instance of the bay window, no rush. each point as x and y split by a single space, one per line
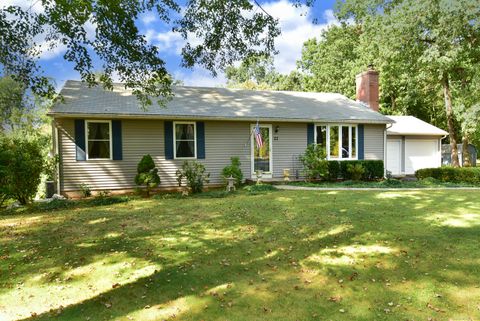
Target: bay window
334 144
339 141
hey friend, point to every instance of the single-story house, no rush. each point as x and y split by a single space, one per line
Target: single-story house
101 135
412 144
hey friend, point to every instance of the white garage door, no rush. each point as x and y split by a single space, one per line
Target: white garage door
394 158
421 154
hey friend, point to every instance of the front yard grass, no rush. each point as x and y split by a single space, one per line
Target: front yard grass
280 255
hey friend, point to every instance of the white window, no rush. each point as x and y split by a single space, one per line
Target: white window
339 141
99 139
185 140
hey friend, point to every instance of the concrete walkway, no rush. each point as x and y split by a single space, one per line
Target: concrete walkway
307 188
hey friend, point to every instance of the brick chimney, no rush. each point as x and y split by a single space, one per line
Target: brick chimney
367 87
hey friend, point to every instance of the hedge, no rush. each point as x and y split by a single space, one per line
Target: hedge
451 174
339 169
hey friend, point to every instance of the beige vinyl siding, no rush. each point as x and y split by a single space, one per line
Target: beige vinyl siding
290 144
222 140
374 141
140 137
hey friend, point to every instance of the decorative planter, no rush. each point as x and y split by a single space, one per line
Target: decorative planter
49 189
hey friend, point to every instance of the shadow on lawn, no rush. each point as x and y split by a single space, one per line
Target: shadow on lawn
278 256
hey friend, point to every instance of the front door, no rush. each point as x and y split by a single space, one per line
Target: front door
261 150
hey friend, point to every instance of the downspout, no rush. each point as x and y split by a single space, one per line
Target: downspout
57 153
385 149
441 155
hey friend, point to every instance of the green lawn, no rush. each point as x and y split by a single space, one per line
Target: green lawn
283 255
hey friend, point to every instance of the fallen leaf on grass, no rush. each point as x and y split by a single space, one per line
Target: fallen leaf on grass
434 308
335 299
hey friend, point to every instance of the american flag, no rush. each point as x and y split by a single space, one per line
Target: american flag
258 137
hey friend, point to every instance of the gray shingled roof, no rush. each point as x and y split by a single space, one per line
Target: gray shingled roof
409 125
216 103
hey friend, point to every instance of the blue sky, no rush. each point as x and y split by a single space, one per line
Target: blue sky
296 25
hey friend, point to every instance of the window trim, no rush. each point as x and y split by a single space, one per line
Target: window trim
194 123
350 131
110 138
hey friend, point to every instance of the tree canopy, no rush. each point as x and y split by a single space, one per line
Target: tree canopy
20 111
427 52
259 73
331 61
216 34
436 44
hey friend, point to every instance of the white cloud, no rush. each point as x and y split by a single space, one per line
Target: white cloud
200 77
167 41
34 6
50 49
297 27
148 18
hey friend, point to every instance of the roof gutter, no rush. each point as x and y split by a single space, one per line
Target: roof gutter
417 134
238 118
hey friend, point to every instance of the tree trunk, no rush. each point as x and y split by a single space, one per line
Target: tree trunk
465 152
394 103
451 127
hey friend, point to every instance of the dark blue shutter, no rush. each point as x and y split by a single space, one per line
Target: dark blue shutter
168 139
200 140
310 134
80 140
117 139
361 144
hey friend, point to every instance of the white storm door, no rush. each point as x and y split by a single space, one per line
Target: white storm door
261 150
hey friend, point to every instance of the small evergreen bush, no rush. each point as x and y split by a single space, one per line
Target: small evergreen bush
147 174
233 170
315 165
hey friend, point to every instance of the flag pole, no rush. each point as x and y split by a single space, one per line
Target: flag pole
250 136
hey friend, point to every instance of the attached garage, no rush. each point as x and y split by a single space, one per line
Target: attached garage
412 144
